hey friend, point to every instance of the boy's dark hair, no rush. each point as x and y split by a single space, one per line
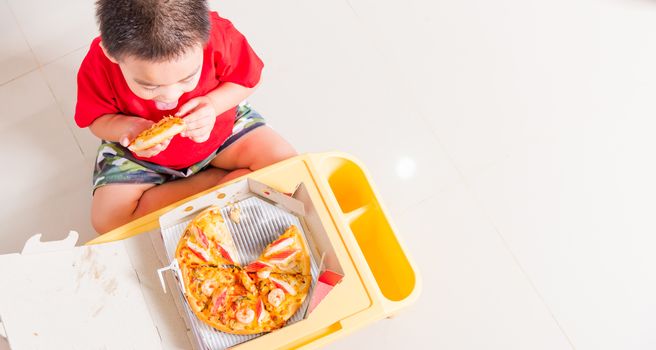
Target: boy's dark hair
155 30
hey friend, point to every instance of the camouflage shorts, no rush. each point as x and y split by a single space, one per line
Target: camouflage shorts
116 165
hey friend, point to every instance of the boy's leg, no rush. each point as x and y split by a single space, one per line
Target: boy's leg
254 150
116 204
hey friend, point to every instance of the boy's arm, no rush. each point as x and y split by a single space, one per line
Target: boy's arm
228 95
123 129
200 113
118 127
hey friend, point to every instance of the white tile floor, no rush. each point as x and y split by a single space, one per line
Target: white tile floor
523 128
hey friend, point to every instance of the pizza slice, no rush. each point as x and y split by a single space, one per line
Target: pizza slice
283 294
157 133
246 314
210 226
287 254
202 283
227 299
206 241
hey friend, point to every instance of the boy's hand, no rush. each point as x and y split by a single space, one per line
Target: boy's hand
199 114
153 151
136 126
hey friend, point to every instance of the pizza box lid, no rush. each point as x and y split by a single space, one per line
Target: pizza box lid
58 296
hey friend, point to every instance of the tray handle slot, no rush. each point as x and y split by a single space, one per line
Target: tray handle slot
308 339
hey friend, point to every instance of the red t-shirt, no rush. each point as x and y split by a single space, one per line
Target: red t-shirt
227 57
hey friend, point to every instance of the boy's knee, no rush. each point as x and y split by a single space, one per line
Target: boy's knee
100 222
103 219
113 206
284 152
277 154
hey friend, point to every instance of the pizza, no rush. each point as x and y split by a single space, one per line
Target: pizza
236 299
158 133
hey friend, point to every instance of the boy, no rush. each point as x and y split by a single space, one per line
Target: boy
156 58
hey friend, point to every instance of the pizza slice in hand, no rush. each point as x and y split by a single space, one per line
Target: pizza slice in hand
159 132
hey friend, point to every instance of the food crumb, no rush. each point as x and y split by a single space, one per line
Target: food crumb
235 212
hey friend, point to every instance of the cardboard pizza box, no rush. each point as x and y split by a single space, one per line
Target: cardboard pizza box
265 213
58 296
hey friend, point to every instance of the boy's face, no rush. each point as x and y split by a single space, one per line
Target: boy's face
163 82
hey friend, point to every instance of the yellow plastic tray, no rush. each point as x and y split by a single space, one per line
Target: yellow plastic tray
379 277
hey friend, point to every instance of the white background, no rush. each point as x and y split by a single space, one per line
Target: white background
512 141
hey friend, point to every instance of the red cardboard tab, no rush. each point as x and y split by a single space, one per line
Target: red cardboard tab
326 282
320 291
330 277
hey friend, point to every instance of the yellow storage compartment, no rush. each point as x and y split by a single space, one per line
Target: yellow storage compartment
386 259
358 201
379 277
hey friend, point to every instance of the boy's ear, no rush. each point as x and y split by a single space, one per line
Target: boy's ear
112 59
